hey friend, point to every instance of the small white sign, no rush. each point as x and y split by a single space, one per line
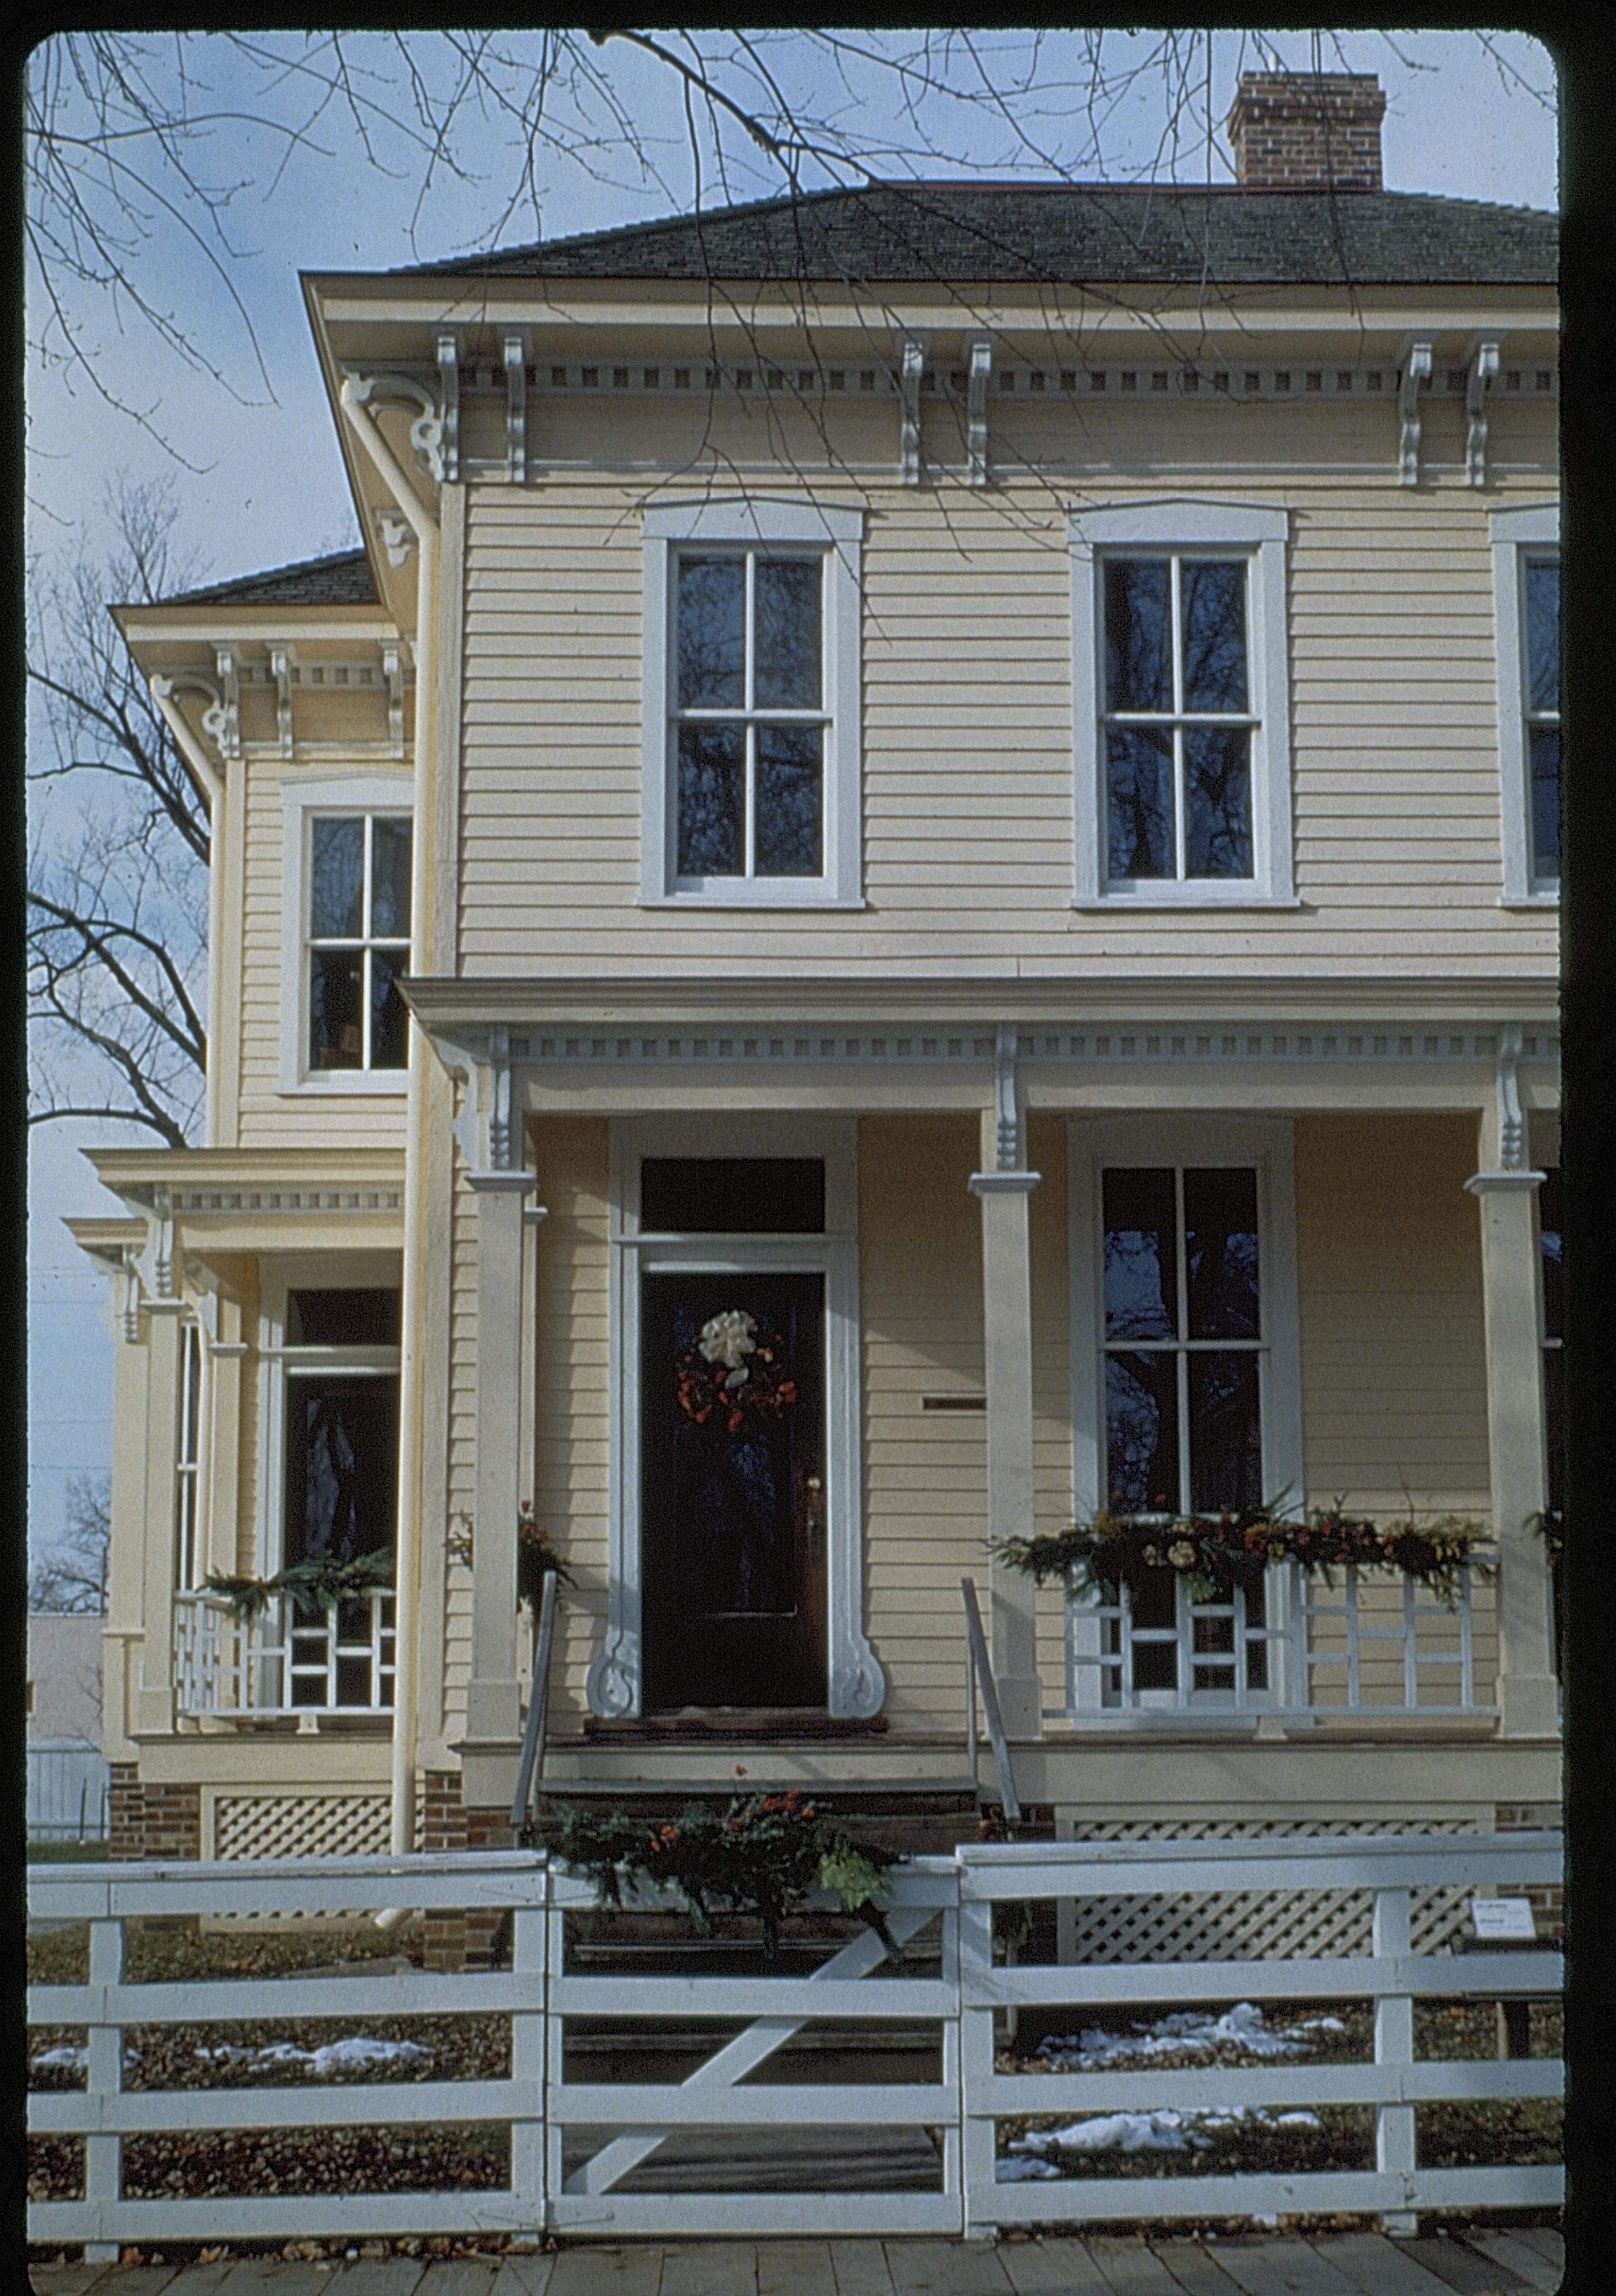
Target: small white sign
1502 1917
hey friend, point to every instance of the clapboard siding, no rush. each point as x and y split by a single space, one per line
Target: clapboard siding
967 738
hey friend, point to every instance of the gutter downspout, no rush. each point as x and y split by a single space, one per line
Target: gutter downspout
212 782
354 399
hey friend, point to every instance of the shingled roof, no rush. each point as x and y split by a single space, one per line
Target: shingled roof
1063 233
342 579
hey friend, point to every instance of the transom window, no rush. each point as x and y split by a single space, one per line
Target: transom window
1182 1339
358 939
1177 718
749 723
1540 621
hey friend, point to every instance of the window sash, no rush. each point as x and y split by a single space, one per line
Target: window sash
187 1470
367 949
1534 721
750 719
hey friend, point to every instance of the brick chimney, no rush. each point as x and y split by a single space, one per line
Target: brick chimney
1308 132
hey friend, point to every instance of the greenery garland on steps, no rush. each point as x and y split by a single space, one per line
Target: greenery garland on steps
1216 1553
312 1586
761 1857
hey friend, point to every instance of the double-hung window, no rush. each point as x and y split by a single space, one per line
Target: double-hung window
1180 700
752 705
1526 597
349 860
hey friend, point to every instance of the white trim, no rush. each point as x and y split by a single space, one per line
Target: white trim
1261 531
856 1683
360 794
747 520
1533 525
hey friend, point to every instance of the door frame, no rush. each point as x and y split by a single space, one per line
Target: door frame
856 1680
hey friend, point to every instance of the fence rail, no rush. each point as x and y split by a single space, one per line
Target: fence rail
576 2142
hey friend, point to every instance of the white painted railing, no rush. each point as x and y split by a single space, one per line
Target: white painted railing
949 1984
339 1660
1298 1648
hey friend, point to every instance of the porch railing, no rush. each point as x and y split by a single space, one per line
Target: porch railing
339 1660
1297 1647
614 2150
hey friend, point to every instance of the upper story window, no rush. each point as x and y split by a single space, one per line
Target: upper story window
1526 596
752 705
1180 703
348 859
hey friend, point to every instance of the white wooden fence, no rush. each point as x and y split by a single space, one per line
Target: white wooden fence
573 2143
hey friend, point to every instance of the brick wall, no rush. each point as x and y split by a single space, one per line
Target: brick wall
1308 132
149 1821
1546 1898
459 1940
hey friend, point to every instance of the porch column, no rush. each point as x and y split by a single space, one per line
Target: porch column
1517 1458
154 1696
493 1708
1004 1187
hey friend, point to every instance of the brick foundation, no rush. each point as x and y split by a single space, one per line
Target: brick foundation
459 1940
147 1821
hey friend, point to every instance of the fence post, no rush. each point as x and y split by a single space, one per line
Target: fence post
556 1968
975 1977
952 2064
530 1961
104 2077
1394 2046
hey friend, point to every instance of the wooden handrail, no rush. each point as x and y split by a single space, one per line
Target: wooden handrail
982 1670
533 1737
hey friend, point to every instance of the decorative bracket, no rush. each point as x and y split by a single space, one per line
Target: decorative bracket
516 405
978 351
164 689
1008 1152
426 432
1512 1123
1483 374
913 356
129 1285
283 659
392 666
223 722
1416 377
448 386
499 1100
397 535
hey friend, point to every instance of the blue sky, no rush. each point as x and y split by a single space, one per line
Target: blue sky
262 482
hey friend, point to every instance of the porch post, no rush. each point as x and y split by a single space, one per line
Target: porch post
155 1698
1004 1188
1517 1458
492 1710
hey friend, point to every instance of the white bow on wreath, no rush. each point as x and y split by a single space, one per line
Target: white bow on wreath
728 1340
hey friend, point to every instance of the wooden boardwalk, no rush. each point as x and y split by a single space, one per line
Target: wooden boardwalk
1473 2263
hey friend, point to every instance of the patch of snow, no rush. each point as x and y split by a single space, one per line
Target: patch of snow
1185 2033
1021 2171
1165 2131
68 2058
356 2054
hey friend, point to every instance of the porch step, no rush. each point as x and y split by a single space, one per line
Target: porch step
916 1819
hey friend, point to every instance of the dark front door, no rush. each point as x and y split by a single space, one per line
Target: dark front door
732 1384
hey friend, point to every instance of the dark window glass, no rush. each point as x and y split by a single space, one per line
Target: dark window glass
1139 803
1217 801
786 643
1220 1252
788 832
389 888
1141 1432
1138 633
1545 745
742 1196
336 1008
336 887
1141 1257
342 1318
712 801
1551 1199
712 641
1225 1443
388 1018
1212 603
341 1465
1543 634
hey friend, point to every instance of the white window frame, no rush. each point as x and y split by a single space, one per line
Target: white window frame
1531 530
857 1683
368 793
1254 532
838 533
190 1530
314 1272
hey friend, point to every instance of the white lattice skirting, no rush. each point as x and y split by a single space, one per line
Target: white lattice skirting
1262 1925
300 1825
